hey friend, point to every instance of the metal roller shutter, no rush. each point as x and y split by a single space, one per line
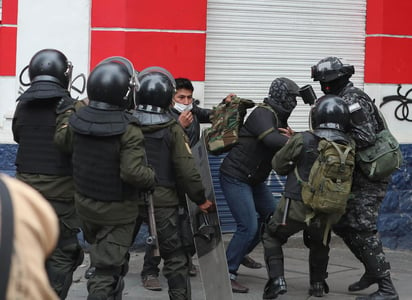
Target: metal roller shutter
275 182
250 43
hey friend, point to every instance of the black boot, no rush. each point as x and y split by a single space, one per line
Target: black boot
364 282
386 291
276 284
318 289
274 287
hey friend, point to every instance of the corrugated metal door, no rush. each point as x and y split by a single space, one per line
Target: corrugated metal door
250 43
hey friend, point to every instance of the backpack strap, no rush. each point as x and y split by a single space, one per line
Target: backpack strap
266 132
342 155
6 237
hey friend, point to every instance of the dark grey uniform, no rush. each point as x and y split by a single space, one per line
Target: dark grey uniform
358 226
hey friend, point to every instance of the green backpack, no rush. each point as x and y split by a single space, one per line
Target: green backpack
330 179
227 119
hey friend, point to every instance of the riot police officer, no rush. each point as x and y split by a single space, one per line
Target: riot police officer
41 164
358 227
168 151
330 120
110 173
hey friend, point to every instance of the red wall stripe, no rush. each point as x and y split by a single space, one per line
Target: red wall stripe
389 17
183 54
388 60
8 38
9 12
8 42
176 14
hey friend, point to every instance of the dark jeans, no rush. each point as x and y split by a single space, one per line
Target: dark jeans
249 205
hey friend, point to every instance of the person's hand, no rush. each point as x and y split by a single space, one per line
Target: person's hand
229 97
288 132
185 118
207 206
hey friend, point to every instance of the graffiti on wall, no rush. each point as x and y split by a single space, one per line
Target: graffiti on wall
402 110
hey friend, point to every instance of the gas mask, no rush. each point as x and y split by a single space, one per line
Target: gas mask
335 86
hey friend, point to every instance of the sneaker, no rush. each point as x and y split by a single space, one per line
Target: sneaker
151 282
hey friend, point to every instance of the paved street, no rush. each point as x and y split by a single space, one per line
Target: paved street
343 270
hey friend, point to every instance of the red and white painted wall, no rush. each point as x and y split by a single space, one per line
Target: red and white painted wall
173 34
188 38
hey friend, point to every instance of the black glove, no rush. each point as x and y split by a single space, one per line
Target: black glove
65 104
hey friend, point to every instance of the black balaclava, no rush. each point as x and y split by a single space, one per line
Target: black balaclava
335 86
282 98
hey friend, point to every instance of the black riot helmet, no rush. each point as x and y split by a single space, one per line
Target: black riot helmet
332 74
157 87
50 65
330 112
113 82
331 68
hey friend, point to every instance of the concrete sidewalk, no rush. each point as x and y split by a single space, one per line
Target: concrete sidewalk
343 270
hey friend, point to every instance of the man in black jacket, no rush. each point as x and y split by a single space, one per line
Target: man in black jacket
247 166
185 110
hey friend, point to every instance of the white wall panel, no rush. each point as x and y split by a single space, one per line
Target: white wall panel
63 25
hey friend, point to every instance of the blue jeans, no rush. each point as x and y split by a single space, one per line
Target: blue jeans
249 205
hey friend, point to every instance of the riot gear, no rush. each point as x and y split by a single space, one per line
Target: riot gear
330 112
112 82
331 68
283 91
50 65
157 87
332 74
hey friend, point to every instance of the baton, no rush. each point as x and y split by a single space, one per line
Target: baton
152 239
285 212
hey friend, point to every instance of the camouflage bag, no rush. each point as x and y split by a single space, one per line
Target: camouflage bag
330 179
227 119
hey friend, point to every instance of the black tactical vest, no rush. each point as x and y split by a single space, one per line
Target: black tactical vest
157 146
34 127
96 154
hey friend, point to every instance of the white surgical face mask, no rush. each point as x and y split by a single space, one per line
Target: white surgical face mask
182 107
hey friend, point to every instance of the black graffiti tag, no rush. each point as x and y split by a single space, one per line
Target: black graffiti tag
402 110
